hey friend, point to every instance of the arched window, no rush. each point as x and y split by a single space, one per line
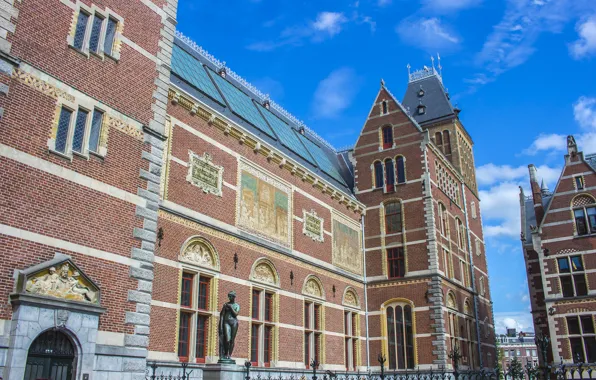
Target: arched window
401 169
389 175
461 234
378 174
446 142
439 140
387 137
400 336
584 213
393 217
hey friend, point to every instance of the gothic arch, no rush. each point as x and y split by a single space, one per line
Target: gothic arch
199 251
467 307
451 300
313 287
350 298
391 307
263 270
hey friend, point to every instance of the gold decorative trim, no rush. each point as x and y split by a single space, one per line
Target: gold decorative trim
40 85
397 283
383 315
123 127
257 248
230 130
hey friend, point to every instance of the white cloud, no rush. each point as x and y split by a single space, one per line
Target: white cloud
547 142
450 5
329 22
586 44
584 111
428 34
512 40
490 174
335 93
521 321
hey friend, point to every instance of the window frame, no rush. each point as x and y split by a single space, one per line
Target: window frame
389 186
571 276
75 108
93 12
398 261
582 183
589 225
351 339
194 313
384 107
404 340
263 325
583 337
400 170
387 216
387 144
376 176
313 332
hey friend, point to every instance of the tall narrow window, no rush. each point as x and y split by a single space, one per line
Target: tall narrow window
400 337
262 324
193 333
389 175
401 169
446 142
63 130
79 131
443 219
582 338
81 30
439 140
384 108
387 137
396 262
95 132
351 340
108 46
393 217
572 278
378 174
95 33
461 234
312 332
579 182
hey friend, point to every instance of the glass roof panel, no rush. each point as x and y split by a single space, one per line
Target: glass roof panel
323 160
191 70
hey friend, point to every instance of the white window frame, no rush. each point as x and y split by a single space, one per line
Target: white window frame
583 182
106 14
312 330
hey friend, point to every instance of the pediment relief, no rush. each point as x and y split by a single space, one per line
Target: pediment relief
199 251
58 278
313 287
351 298
264 271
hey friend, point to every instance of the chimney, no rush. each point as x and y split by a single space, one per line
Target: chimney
536 195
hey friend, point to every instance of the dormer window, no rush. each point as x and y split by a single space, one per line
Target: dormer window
387 133
384 107
421 92
421 109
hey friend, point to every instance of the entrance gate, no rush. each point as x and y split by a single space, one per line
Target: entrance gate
51 357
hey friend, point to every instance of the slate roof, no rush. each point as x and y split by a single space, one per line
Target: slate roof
435 98
531 216
196 72
591 160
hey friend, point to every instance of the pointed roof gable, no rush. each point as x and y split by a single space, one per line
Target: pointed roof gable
427 90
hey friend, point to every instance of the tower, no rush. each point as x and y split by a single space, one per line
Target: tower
424 247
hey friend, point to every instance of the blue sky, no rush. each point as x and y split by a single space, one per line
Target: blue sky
522 71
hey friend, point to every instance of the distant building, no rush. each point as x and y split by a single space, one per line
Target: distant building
520 346
559 242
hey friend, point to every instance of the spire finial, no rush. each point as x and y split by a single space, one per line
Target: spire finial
544 188
432 59
409 67
440 67
382 82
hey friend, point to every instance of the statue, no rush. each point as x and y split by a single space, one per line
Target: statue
228 327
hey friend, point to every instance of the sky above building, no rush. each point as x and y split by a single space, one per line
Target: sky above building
522 71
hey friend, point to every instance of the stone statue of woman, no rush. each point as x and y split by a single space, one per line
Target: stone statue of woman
228 327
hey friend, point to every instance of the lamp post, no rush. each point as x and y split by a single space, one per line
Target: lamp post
542 342
455 356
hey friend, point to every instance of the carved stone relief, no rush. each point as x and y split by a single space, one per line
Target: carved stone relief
67 283
351 299
313 288
199 252
264 272
204 174
312 225
346 247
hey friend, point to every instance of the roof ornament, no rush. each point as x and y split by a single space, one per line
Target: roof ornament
382 82
571 146
544 189
409 67
223 70
440 67
432 59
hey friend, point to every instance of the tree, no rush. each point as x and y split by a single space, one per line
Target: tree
516 370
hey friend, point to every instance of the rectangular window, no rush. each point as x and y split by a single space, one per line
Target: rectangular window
193 332
582 339
79 131
579 182
201 346
592 218
95 132
110 36
81 30
268 307
268 339
393 218
255 304
63 130
262 328
396 262
587 324
95 33
312 333
574 284
186 292
580 222
351 340
254 345
183 336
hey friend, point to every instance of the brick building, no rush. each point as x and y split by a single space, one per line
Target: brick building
142 181
520 346
558 244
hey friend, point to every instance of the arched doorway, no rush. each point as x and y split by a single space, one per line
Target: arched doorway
51 356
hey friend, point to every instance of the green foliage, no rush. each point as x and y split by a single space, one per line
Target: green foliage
516 370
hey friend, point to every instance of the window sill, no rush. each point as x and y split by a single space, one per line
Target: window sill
82 52
97 55
593 234
98 155
61 155
112 57
82 155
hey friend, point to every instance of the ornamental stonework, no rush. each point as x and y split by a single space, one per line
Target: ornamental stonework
313 288
312 226
263 272
346 247
351 299
204 174
66 283
199 252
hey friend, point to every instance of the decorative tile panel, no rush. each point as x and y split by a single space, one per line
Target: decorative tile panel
347 252
203 173
312 225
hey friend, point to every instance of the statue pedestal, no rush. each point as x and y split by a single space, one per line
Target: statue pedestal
223 371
